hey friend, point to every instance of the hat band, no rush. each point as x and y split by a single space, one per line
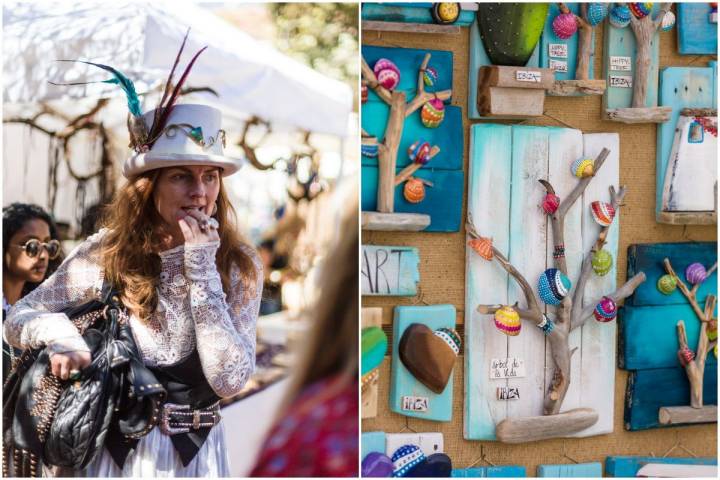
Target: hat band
193 133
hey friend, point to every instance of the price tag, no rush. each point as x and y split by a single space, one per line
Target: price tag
558 65
558 50
528 76
415 404
621 81
512 367
508 393
620 64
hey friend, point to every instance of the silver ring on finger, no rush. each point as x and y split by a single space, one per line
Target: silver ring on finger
212 223
203 225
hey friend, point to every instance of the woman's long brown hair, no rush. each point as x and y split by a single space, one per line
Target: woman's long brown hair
129 249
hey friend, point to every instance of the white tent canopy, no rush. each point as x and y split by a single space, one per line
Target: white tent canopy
141 39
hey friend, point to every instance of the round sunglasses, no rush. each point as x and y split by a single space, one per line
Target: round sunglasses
33 246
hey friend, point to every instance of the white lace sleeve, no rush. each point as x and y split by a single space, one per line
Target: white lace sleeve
36 321
224 328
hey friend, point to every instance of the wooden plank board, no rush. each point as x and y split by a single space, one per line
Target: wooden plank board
696 35
648 390
378 26
648 258
429 442
411 13
408 61
680 87
372 442
577 470
501 471
571 45
621 42
518 156
402 382
627 466
388 270
478 58
370 317
490 160
443 201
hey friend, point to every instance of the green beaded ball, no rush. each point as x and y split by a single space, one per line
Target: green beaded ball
602 262
667 284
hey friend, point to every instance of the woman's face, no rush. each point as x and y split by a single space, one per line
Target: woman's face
181 189
18 264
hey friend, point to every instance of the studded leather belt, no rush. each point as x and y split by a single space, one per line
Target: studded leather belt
181 419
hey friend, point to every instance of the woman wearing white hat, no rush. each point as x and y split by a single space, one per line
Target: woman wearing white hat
191 286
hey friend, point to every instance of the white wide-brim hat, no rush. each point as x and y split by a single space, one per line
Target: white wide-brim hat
192 135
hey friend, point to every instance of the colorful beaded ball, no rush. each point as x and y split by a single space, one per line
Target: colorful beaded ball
550 203
432 113
666 284
369 150
695 273
364 93
482 246
414 190
596 13
602 212
419 151
605 310
640 9
583 167
602 262
451 337
387 73
430 76
445 13
564 25
668 21
405 458
507 321
620 16
553 286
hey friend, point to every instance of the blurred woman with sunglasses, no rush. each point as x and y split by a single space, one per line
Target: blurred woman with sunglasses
31 253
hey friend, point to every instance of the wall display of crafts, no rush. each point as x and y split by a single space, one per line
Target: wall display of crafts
547 246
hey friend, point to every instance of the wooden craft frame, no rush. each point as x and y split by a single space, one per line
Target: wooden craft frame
370 317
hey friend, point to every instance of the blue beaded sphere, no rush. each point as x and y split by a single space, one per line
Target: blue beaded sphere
405 459
596 13
553 286
620 16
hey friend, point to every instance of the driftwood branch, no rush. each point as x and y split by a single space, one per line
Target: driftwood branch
421 96
584 41
644 30
372 82
691 295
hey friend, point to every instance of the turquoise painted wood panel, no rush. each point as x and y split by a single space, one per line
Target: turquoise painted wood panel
448 136
408 61
478 58
443 201
622 466
389 270
713 64
578 470
549 37
372 442
648 258
695 34
504 471
648 390
680 87
621 42
648 336
409 13
402 382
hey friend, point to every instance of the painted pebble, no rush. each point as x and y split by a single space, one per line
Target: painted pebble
620 16
369 150
602 262
596 13
432 113
666 284
602 212
508 321
553 286
668 21
640 9
430 76
564 25
414 190
364 93
377 465
482 246
550 203
583 167
445 13
605 310
405 459
387 73
418 152
695 273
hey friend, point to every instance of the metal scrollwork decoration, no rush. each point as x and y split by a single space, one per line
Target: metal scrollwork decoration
194 133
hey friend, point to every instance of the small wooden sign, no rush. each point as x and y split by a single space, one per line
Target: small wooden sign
390 270
415 404
512 367
532 76
559 65
621 81
620 63
508 393
558 50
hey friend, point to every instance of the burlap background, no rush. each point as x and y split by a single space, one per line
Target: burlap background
442 271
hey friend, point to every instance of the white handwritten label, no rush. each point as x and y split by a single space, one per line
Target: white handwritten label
558 65
620 64
508 393
512 367
528 76
558 50
621 81
415 404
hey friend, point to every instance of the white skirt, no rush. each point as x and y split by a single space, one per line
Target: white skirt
155 456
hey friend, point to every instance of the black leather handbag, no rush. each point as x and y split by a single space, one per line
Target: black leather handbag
65 423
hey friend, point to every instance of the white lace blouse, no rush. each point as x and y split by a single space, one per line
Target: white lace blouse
192 311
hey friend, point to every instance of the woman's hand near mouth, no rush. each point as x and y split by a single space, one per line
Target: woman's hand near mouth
190 221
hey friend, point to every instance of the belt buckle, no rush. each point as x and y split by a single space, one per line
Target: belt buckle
168 409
